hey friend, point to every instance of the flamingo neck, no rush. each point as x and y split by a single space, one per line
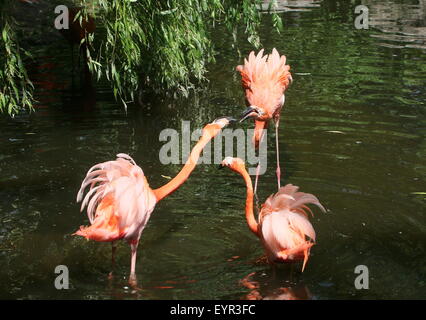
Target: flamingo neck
189 166
251 220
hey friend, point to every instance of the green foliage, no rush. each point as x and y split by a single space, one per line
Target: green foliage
276 19
15 87
162 46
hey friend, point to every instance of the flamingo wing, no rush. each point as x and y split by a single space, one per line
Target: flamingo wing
264 79
119 201
285 230
284 222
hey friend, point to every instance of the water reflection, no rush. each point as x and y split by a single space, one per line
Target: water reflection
267 287
292 5
402 24
353 134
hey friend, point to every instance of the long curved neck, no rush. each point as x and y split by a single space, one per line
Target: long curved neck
251 220
189 166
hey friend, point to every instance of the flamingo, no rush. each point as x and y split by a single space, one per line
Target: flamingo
265 79
283 226
120 201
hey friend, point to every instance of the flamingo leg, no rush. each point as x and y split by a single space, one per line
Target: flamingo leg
134 248
291 272
277 123
274 271
255 185
113 250
257 172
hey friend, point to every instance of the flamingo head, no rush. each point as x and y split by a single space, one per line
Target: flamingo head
252 112
224 121
260 111
235 164
214 127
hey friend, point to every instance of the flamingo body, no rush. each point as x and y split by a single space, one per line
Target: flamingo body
125 200
283 226
264 80
285 230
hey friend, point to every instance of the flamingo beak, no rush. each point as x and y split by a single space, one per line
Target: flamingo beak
249 112
229 119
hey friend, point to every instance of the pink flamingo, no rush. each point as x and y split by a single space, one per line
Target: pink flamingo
264 80
283 226
120 201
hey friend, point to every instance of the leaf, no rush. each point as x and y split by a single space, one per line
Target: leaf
165 12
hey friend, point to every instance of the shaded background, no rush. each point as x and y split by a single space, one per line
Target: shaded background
353 133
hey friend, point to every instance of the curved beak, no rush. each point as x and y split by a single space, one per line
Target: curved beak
249 112
231 119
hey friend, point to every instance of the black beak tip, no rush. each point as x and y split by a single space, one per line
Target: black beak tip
246 113
220 167
230 119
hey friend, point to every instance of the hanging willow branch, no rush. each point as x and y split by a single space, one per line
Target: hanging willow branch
16 90
163 46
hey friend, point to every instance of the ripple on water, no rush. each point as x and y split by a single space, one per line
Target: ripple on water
352 133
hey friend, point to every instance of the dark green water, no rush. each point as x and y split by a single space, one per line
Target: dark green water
353 133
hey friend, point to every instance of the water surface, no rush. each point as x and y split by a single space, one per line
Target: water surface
353 133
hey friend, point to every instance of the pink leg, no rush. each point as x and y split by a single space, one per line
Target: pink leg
277 123
258 170
114 248
255 183
134 247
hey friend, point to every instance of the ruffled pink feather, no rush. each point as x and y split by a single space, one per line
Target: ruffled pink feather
284 224
119 201
265 78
